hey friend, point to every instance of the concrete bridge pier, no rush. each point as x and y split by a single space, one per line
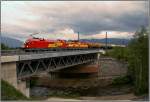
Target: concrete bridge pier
9 74
53 75
50 75
98 64
24 87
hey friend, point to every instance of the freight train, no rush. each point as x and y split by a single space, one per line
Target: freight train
36 44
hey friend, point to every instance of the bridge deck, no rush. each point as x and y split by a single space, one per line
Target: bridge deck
33 56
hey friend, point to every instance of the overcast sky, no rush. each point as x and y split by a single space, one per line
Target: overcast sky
63 19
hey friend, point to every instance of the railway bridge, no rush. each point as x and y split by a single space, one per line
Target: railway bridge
16 68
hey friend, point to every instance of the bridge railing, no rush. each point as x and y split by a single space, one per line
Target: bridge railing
20 52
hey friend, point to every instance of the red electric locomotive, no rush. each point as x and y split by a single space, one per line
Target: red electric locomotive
35 44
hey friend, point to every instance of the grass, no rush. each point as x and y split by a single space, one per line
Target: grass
8 92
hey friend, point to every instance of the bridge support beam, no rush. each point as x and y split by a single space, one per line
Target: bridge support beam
33 67
9 74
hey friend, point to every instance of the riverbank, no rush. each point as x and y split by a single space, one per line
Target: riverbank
95 88
110 92
125 97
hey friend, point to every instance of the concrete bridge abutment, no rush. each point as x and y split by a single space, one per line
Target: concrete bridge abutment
9 74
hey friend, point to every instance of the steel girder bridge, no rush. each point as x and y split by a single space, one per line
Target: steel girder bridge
34 67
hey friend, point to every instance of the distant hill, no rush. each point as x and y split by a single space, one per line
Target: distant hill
116 41
11 42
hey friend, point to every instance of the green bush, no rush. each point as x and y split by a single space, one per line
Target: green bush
121 80
120 53
4 47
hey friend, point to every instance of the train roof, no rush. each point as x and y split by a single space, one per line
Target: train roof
40 39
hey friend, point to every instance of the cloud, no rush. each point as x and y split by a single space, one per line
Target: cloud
114 34
90 18
69 34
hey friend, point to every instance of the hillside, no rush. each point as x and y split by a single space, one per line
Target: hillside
8 92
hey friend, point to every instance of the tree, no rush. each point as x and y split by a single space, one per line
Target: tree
138 61
4 47
136 54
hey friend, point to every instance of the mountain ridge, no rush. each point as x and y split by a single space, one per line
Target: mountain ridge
11 42
117 41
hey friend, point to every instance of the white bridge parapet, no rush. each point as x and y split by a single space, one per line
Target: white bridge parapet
12 58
